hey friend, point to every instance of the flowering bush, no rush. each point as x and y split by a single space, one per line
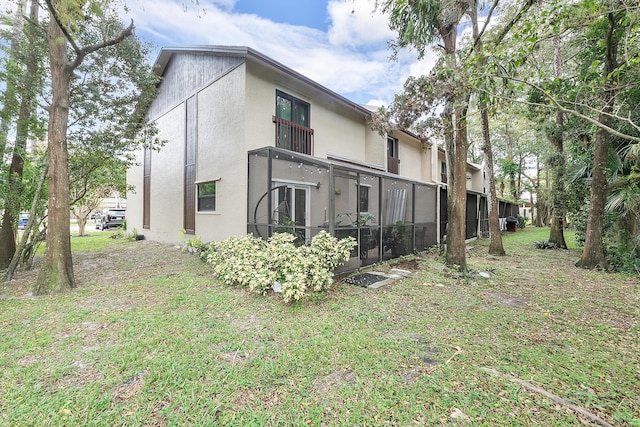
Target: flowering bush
257 264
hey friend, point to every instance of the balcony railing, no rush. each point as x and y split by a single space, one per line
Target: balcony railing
293 136
393 165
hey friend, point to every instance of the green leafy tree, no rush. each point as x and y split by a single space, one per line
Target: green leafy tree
421 23
24 71
93 180
88 50
616 20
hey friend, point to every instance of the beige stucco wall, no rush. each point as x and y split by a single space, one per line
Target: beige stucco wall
134 196
375 147
414 160
167 178
476 183
340 132
221 154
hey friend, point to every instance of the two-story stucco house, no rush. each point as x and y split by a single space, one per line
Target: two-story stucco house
253 146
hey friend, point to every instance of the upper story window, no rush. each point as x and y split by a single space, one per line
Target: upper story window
392 147
443 172
393 160
292 109
292 124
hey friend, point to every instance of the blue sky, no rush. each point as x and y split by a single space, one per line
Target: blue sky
341 44
309 13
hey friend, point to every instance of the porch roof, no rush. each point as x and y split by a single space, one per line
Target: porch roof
340 163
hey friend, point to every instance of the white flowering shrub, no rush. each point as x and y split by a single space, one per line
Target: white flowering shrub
325 254
257 264
241 261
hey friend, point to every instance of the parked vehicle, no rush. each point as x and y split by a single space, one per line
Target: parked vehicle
110 218
22 222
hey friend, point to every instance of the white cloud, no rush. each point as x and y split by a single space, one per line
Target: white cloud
357 24
351 58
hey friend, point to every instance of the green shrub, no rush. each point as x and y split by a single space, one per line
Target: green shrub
522 221
622 260
261 265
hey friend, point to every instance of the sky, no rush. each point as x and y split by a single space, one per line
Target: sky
341 44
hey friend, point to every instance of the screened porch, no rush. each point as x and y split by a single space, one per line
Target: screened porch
387 215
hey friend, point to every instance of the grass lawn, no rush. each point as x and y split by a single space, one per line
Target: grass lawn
150 338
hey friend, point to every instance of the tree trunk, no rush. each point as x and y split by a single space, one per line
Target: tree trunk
56 272
82 224
558 196
495 236
495 244
457 193
593 256
9 97
456 151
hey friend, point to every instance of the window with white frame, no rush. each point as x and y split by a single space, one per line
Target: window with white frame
207 196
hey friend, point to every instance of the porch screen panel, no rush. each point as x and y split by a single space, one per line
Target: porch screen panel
425 217
258 194
190 168
471 221
146 189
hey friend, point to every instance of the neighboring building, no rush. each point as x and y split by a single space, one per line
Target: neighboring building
254 146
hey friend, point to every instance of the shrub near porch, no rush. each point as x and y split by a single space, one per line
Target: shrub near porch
261 265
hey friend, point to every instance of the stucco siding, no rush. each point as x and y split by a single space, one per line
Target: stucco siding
375 147
222 155
260 129
411 158
338 131
167 179
135 195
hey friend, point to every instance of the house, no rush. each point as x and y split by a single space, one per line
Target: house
253 146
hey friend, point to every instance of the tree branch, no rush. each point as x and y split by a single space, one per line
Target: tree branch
81 53
514 21
556 105
106 43
486 22
56 17
559 400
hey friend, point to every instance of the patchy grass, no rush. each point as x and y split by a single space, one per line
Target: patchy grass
149 338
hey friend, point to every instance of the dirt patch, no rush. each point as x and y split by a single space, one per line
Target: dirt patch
509 301
130 388
411 264
326 385
125 263
81 373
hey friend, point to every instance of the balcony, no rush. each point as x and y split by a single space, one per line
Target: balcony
393 165
293 136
